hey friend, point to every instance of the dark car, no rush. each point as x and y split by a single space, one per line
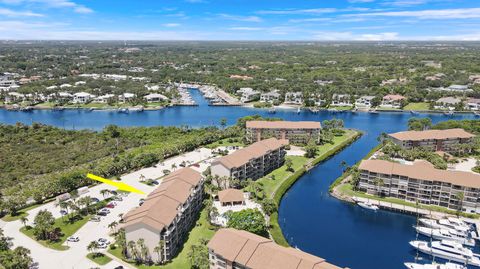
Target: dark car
118 267
102 213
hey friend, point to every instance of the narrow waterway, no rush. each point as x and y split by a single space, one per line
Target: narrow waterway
311 219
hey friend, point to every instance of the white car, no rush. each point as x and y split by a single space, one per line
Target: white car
106 210
73 239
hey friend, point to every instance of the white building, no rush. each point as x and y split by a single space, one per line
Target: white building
270 97
473 104
125 97
155 97
294 98
104 98
448 103
248 94
82 97
364 101
341 100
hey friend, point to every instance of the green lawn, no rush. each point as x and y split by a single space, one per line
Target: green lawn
21 213
68 229
417 106
46 104
99 258
341 108
202 229
234 141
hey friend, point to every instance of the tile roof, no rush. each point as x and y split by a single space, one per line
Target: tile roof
284 124
231 195
422 170
161 206
432 134
257 252
255 150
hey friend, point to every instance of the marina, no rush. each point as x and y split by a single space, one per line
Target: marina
307 214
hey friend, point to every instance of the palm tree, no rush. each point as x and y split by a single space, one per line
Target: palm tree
378 183
174 166
104 192
112 226
24 221
159 249
132 249
121 241
92 247
460 196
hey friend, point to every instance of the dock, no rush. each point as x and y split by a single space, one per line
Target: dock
401 208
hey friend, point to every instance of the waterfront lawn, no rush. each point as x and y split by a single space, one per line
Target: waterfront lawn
46 104
99 258
417 106
342 108
233 141
21 213
202 230
67 227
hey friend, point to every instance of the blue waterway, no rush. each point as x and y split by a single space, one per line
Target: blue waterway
312 220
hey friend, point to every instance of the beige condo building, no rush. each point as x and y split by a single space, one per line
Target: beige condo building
297 132
168 213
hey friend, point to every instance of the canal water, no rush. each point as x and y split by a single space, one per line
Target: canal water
311 219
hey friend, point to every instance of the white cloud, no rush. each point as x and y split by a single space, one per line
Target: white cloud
12 13
360 1
459 13
246 28
298 11
52 4
406 3
171 24
83 10
240 18
350 36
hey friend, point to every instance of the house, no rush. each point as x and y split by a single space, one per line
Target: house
13 97
341 100
435 140
459 88
82 97
62 97
155 98
365 101
125 97
448 103
421 183
294 98
392 101
167 215
231 200
65 85
270 97
296 132
103 99
252 162
248 95
237 249
473 104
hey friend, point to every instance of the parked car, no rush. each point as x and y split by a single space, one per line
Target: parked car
101 213
141 202
103 240
102 245
73 239
118 198
95 200
118 267
63 212
155 182
111 205
113 192
95 219
34 265
106 210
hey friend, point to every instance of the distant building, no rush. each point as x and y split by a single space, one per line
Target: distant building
168 213
104 98
270 97
364 101
61 97
422 183
294 98
448 103
297 132
248 95
392 101
473 104
82 97
435 140
341 100
155 97
237 249
254 161
125 97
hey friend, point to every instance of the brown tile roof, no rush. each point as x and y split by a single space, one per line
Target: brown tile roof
393 97
283 124
231 195
256 252
161 206
422 170
432 134
255 150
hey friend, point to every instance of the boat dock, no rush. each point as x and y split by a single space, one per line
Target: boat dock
400 208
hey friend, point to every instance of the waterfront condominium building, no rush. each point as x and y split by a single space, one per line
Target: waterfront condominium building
254 161
421 182
436 140
167 214
297 132
237 249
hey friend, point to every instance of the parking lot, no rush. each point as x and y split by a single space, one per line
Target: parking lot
75 256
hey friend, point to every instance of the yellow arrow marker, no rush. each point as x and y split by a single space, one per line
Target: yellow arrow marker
120 185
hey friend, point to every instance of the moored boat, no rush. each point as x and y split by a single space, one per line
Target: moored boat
441 234
448 265
368 205
447 250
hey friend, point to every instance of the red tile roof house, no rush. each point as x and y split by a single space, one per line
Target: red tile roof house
435 140
168 214
254 161
392 101
231 248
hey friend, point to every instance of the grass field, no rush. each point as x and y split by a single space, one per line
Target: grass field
341 108
234 141
417 106
202 229
68 229
99 258
21 213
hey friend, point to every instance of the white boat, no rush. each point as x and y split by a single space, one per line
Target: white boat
441 234
298 110
368 205
447 250
430 223
462 230
448 265
135 109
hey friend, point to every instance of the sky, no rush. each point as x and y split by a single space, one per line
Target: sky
312 20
